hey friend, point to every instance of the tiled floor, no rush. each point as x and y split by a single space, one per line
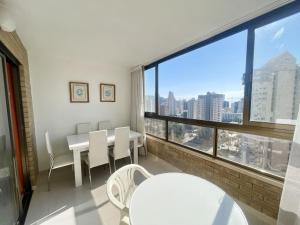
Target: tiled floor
67 205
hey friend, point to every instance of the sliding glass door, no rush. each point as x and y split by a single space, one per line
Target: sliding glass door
9 210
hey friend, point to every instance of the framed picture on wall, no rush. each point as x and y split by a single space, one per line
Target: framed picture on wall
107 92
79 92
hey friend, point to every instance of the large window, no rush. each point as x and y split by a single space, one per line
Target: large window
150 90
198 138
262 153
192 86
215 95
276 75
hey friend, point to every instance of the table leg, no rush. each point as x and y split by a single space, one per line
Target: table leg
135 151
77 168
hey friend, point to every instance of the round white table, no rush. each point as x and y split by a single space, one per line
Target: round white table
182 199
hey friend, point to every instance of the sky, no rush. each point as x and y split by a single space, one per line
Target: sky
219 67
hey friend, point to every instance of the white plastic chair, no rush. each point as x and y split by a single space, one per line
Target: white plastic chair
105 125
98 151
122 144
83 128
123 180
57 161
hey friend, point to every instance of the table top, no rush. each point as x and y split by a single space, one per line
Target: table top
178 198
81 141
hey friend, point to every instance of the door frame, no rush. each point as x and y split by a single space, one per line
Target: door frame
22 203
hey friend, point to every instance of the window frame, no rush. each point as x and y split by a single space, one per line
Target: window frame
281 131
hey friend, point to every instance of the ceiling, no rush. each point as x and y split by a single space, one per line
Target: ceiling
126 33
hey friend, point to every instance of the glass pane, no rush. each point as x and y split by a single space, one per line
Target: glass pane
262 153
8 209
276 75
206 83
150 90
155 127
199 138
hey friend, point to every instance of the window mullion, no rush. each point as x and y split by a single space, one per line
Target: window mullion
156 90
248 76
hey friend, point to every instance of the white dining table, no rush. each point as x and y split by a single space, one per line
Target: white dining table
178 198
80 143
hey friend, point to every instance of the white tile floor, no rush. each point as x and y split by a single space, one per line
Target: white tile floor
67 205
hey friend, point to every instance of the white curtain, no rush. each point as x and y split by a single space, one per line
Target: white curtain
289 211
137 100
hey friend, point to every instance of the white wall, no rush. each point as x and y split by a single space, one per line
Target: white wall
51 105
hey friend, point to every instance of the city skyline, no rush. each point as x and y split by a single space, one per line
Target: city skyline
267 97
192 72
190 86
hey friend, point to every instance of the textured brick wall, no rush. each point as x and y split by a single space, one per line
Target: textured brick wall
15 46
259 192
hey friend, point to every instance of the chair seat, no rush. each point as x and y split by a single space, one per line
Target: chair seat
139 145
129 194
63 160
111 153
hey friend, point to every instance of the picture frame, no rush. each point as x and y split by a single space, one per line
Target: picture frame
107 92
79 92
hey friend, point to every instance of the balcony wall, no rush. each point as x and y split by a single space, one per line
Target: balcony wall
257 191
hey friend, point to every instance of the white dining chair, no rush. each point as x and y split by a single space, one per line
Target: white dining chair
141 144
105 125
121 148
57 161
98 151
121 185
83 128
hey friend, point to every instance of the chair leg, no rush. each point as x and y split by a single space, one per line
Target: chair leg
109 167
84 170
90 177
49 174
115 164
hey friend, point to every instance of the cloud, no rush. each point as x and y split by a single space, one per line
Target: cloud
278 34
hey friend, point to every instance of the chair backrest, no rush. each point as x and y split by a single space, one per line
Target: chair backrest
49 148
83 128
105 125
121 149
98 149
124 180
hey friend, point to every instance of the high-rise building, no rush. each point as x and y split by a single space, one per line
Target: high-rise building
276 98
275 90
201 107
215 105
226 104
150 103
163 108
240 107
191 107
209 106
179 107
171 104
237 107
